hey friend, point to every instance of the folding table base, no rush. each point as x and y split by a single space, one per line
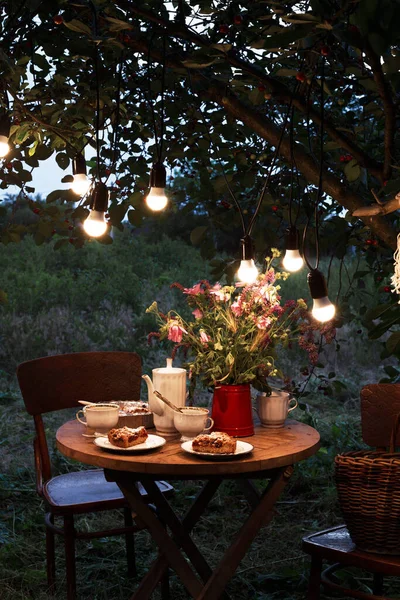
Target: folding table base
201 581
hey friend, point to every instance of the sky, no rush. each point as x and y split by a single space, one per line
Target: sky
45 178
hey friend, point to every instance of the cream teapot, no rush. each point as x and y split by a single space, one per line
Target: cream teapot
170 382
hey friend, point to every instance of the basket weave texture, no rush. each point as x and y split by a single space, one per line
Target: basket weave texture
368 485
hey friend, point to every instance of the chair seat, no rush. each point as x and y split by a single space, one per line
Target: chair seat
336 545
86 491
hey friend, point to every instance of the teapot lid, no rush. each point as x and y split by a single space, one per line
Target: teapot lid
169 368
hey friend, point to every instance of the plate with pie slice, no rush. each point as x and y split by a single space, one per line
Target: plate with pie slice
242 448
152 442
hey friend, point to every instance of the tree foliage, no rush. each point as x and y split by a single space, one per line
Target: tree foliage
233 73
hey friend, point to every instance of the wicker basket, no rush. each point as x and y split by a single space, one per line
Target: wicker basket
368 485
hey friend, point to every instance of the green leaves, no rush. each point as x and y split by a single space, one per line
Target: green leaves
352 170
75 25
198 234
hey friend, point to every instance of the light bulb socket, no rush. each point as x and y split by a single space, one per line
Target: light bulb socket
317 284
79 165
247 248
99 200
292 238
158 176
5 125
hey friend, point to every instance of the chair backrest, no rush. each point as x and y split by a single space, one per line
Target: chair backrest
380 404
57 382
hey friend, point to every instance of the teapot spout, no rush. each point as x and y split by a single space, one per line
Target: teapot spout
156 406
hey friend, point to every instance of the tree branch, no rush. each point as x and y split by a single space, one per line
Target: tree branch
379 208
279 91
265 128
388 107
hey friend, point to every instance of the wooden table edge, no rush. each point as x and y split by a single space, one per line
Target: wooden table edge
197 467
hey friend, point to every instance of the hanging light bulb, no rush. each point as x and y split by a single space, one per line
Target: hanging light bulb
96 225
4 135
292 261
323 310
247 271
156 199
81 183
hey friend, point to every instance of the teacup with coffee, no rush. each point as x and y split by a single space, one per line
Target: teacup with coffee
100 417
192 421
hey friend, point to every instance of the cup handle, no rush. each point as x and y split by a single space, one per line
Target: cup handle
80 420
295 405
211 425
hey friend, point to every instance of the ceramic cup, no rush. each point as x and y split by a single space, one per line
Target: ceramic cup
273 410
192 421
100 418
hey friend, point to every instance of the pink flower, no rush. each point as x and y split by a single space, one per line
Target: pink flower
263 322
218 292
194 291
237 309
204 338
197 313
175 331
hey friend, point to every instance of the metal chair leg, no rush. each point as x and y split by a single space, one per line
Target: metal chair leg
314 583
50 558
130 543
69 544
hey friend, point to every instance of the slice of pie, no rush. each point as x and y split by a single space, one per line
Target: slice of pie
125 437
216 442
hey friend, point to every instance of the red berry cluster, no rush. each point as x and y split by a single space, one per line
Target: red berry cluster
387 289
371 242
274 208
345 157
325 50
300 76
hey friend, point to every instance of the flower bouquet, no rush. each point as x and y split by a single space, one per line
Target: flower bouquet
235 331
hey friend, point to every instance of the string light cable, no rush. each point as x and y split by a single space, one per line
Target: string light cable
323 310
292 261
156 199
95 225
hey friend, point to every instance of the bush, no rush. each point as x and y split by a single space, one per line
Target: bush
89 299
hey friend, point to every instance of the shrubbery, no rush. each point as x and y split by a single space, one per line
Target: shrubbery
89 299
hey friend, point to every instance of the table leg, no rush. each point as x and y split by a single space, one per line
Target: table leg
215 582
159 534
179 530
160 565
261 515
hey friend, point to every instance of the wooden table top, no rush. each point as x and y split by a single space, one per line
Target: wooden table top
272 449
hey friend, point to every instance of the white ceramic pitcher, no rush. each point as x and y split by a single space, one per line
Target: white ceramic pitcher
170 382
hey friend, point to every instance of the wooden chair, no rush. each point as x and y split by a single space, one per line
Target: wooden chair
58 382
380 403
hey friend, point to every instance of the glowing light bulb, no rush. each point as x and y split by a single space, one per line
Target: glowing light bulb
323 310
4 146
80 184
247 271
156 199
292 261
95 225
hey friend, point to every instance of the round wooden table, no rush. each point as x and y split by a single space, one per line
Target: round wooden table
272 459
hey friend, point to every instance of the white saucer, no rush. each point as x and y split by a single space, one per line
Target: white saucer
152 442
242 448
